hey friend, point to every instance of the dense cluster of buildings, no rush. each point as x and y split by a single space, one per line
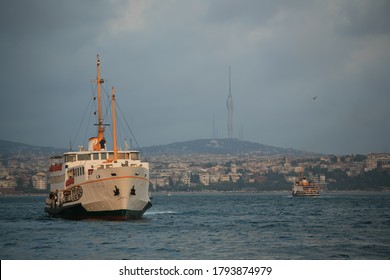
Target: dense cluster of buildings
31 172
23 172
205 170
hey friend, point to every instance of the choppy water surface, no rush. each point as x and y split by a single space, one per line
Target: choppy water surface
207 226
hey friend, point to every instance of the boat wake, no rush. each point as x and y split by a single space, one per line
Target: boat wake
151 213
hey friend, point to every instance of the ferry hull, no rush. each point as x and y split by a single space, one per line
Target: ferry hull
110 194
78 212
305 194
305 191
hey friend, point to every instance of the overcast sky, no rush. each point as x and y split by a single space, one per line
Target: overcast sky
169 62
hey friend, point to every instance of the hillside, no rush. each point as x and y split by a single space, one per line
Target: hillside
9 148
219 146
202 146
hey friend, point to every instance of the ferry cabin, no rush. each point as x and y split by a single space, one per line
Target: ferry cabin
75 168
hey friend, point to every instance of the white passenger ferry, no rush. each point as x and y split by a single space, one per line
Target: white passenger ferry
304 187
99 183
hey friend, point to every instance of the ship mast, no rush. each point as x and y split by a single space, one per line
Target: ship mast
114 123
99 81
96 142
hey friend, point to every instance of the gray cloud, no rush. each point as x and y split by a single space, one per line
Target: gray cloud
169 63
362 18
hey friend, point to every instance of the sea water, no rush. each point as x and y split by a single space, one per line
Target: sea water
274 226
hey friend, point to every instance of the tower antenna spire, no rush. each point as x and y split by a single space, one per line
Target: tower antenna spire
229 105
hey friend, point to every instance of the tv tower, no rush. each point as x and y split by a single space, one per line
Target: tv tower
229 105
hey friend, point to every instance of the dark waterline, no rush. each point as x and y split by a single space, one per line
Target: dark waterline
207 226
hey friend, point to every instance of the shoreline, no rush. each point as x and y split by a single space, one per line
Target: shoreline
267 192
218 192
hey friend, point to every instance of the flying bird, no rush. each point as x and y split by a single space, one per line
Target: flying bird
315 97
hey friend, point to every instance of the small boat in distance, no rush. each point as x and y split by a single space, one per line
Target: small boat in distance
99 183
304 187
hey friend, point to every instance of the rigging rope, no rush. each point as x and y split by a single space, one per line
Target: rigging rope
82 121
91 107
128 127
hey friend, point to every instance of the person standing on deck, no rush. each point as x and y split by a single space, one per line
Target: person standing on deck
103 143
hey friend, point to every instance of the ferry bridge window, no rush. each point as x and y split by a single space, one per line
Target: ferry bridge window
96 156
84 157
104 155
69 158
134 156
121 156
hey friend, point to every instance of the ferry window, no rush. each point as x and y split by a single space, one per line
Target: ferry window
82 170
134 156
121 156
96 156
84 157
110 155
69 158
104 155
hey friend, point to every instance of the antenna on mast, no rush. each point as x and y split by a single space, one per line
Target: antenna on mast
214 136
